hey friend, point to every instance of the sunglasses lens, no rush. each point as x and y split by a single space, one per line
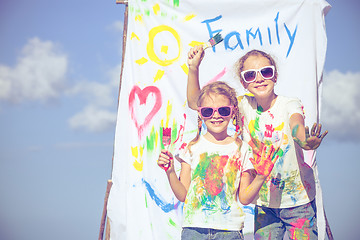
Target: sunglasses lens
267 72
207 112
224 111
250 76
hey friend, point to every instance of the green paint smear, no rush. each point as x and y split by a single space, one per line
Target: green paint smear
150 141
259 110
263 192
174 132
280 153
146 202
295 130
256 127
200 170
172 223
176 3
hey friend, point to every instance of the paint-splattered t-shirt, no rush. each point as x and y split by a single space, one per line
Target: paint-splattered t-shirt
291 182
211 200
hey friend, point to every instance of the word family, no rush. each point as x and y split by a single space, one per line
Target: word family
262 34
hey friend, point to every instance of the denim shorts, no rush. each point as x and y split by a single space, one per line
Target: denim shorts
299 222
193 233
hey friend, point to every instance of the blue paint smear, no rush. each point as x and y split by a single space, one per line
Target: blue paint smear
166 207
248 209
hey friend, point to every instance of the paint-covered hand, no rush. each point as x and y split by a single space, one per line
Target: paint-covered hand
264 162
312 140
166 161
195 56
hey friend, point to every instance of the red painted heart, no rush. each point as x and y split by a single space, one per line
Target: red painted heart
143 95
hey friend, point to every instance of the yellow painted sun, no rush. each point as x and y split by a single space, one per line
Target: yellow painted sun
158 54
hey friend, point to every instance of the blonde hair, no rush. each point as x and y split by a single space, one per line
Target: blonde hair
219 88
239 65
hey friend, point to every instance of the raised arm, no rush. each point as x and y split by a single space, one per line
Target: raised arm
195 56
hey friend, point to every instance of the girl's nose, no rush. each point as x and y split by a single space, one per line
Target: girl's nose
259 77
216 114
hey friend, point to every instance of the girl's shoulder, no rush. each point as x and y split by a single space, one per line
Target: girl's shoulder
246 100
288 102
245 97
285 99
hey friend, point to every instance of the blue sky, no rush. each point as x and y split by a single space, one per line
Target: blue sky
59 80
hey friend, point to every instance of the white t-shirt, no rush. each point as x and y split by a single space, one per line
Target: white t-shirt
291 182
211 201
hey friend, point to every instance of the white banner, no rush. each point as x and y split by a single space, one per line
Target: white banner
160 33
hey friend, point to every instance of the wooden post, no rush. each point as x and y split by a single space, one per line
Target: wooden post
124 40
103 217
109 182
107 231
328 229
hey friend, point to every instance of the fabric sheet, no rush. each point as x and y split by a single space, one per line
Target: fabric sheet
160 33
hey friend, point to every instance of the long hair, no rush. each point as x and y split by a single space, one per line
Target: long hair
219 88
239 65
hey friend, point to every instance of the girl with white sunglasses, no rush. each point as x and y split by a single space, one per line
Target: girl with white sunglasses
216 170
286 201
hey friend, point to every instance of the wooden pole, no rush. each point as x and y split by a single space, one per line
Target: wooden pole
124 41
107 231
328 229
109 183
103 217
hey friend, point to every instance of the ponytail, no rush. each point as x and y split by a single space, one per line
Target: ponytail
197 137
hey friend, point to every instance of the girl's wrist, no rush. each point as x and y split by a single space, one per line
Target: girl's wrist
170 171
193 68
261 177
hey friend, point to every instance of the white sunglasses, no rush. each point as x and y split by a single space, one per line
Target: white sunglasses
266 72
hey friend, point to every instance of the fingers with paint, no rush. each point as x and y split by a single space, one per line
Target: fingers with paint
264 162
312 140
166 160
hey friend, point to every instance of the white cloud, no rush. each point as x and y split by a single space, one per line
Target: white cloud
340 109
93 119
94 92
77 145
39 73
117 26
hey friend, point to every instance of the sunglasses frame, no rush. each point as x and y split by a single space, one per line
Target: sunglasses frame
257 71
215 110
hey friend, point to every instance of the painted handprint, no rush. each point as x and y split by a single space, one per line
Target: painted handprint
264 162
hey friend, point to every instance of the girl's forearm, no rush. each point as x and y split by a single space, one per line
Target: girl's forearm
193 87
249 194
177 187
